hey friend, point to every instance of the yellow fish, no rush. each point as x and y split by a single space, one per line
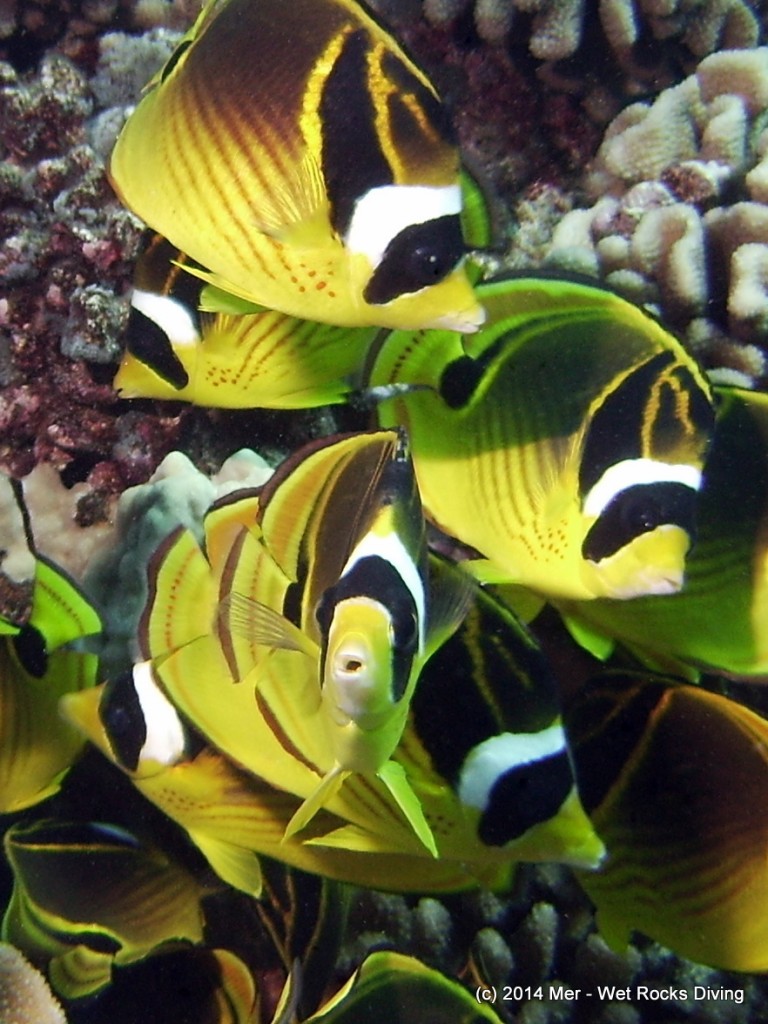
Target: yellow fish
298 155
401 990
674 779
36 669
233 816
505 794
486 718
366 618
564 442
227 360
719 619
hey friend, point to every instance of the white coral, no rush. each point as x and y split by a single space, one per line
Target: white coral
659 169
557 25
24 995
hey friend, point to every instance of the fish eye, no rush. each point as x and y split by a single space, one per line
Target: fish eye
637 510
642 513
353 666
419 256
427 266
405 632
118 720
30 647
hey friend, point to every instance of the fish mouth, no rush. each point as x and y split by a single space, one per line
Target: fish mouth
468 321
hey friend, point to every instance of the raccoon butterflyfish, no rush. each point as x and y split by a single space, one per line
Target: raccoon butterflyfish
233 816
133 723
297 154
486 717
564 442
36 746
278 736
89 895
401 990
144 730
330 567
719 620
509 801
674 779
224 360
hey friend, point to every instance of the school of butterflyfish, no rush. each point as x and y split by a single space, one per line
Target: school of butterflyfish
314 681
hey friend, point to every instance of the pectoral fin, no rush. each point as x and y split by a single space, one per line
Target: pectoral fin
394 778
235 865
486 571
452 592
592 640
262 625
326 790
216 300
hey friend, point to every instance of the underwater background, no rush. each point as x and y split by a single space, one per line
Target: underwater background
625 141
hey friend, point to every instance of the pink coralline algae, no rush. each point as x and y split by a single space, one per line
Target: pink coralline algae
66 264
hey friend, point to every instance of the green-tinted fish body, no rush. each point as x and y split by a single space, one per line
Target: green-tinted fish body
36 669
88 895
296 153
719 619
564 442
400 989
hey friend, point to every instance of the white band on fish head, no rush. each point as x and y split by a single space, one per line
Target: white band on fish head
632 472
383 212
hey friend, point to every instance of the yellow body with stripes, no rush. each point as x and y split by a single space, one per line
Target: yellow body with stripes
254 148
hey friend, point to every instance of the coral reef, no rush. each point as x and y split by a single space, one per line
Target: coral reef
17 563
668 204
557 28
542 934
24 995
67 251
680 220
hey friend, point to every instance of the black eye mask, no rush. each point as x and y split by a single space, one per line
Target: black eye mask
417 257
637 510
